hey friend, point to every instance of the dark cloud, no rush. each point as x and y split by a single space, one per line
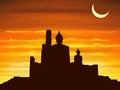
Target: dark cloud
107 1
58 6
52 6
38 10
114 1
8 2
76 7
43 6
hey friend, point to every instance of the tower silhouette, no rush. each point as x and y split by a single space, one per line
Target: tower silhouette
46 48
48 38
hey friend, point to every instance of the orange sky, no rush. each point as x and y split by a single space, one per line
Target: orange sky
23 24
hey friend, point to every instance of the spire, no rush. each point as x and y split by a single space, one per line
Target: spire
78 52
59 38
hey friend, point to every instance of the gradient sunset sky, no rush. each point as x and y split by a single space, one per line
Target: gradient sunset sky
22 32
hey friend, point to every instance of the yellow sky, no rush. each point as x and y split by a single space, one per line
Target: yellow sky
97 47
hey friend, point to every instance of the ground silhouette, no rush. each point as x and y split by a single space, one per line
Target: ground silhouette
55 72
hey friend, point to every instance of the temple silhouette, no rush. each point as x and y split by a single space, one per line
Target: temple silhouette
56 72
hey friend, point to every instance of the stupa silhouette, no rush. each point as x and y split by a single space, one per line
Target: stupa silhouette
55 72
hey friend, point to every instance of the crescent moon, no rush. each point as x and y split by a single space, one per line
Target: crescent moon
97 14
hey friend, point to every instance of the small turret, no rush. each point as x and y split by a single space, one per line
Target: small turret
32 63
78 57
32 59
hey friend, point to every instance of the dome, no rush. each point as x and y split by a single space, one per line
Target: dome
59 38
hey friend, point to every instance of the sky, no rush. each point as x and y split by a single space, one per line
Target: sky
22 32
